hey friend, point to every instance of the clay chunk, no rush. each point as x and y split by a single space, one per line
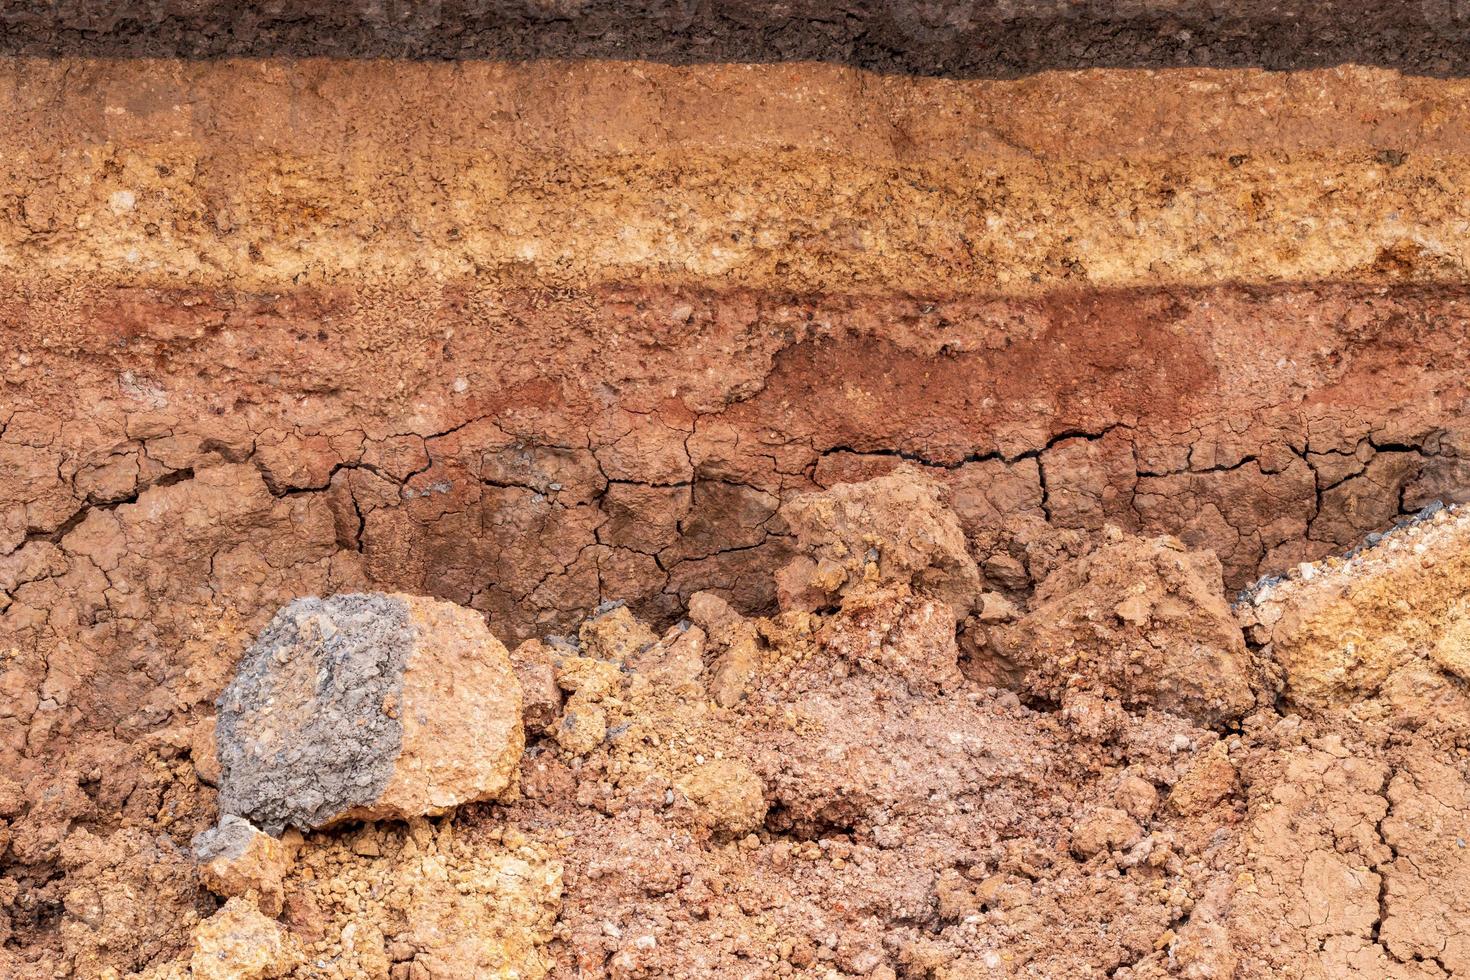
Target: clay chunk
1143 620
368 706
235 859
239 943
893 530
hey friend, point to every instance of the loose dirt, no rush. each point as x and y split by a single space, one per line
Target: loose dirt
873 781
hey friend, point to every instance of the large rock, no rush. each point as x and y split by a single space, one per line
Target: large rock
1143 620
368 706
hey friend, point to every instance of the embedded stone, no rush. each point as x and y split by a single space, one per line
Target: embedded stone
368 706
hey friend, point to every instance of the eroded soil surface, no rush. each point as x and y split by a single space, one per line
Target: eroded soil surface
898 774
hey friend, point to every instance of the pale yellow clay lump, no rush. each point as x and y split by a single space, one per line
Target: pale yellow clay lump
1390 624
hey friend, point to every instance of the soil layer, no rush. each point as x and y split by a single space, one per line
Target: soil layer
534 337
966 38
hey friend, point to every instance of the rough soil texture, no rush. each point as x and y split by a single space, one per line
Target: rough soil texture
856 808
1142 621
862 467
410 327
960 37
1372 624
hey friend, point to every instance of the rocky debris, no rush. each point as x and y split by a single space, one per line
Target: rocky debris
1390 621
1209 781
858 807
730 672
115 886
677 660
611 633
996 608
808 826
731 645
239 943
237 860
1107 829
587 674
388 900
421 900
912 637
893 530
592 686
203 752
582 727
541 698
730 797
712 612
367 706
1136 796
1141 619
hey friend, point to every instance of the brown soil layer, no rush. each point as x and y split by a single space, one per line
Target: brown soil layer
531 337
938 37
248 176
536 453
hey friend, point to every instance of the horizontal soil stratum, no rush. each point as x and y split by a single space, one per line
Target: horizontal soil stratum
933 37
967 490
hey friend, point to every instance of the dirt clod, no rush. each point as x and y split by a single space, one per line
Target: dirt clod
239 943
890 530
1143 620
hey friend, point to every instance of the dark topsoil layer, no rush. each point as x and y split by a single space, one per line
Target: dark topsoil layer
962 38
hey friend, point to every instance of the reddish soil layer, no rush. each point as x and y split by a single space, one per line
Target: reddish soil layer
637 443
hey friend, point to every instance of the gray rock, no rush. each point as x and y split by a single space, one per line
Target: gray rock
228 839
303 734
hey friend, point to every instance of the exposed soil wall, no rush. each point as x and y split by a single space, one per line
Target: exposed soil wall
408 326
533 336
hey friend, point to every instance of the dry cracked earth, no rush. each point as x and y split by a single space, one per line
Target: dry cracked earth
968 489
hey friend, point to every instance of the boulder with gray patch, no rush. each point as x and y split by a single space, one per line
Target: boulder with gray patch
368 706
